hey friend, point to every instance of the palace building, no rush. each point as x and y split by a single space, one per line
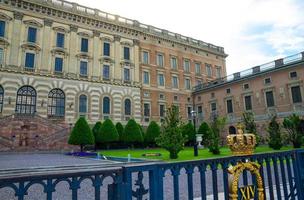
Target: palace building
60 60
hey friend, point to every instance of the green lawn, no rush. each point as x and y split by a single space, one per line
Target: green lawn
186 154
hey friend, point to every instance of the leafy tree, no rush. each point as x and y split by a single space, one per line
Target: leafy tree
81 134
132 133
204 130
275 136
294 126
120 130
171 137
216 127
152 132
188 131
250 125
107 133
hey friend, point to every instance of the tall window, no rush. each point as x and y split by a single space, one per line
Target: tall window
161 81
32 34
58 64
84 45
83 103
187 65
208 70
146 110
83 68
106 72
60 40
126 53
56 103
197 68
2 28
296 94
248 104
127 107
160 60
29 60
1 56
200 111
106 49
174 82
26 100
106 105
126 74
146 77
1 98
269 99
173 63
229 106
213 106
187 84
145 57
161 110
218 72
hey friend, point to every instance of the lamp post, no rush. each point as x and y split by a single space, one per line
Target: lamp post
195 150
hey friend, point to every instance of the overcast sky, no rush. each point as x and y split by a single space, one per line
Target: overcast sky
252 32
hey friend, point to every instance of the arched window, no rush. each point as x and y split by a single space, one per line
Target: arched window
83 100
1 98
127 107
26 100
106 105
56 103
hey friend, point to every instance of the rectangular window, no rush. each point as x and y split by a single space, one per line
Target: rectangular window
29 60
248 104
269 99
160 60
174 82
218 72
84 45
293 74
126 53
83 68
146 78
1 56
161 110
146 110
173 63
145 57
32 34
2 28
106 72
229 106
197 68
189 109
187 84
58 64
60 40
161 81
200 111
267 81
228 90
296 94
106 49
213 106
126 74
187 65
208 70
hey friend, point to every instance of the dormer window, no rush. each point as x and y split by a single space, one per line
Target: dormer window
32 35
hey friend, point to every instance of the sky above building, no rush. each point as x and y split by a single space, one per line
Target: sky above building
253 32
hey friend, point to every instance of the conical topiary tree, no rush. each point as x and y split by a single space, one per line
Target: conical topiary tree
250 125
141 130
152 132
120 130
81 134
132 133
189 132
204 130
107 133
275 136
95 130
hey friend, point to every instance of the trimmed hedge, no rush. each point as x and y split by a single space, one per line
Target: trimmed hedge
152 132
120 130
132 133
107 132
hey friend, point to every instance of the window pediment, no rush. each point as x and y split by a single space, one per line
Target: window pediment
61 29
107 39
60 51
32 22
85 34
4 41
31 46
126 43
5 17
84 55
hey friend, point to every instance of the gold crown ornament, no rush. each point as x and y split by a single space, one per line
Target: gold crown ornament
241 143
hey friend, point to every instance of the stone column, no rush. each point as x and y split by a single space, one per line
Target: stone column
45 66
16 39
117 56
96 52
73 48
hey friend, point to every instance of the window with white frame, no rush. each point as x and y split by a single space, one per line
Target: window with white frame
106 72
145 57
218 72
187 84
83 68
208 70
146 77
161 81
162 110
160 60
296 94
127 74
173 61
174 81
187 65
197 68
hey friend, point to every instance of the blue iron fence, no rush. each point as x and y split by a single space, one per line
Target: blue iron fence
282 172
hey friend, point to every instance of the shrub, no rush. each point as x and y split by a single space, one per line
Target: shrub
120 130
152 132
171 138
204 130
275 136
107 133
96 128
188 131
294 126
142 132
250 125
132 133
81 134
216 127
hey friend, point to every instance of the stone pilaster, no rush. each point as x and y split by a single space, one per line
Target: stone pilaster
117 68
15 42
96 54
73 49
46 47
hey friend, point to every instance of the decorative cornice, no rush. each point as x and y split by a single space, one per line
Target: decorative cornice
73 28
48 22
117 38
18 15
96 33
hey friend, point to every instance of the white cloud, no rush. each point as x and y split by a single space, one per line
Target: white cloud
223 23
